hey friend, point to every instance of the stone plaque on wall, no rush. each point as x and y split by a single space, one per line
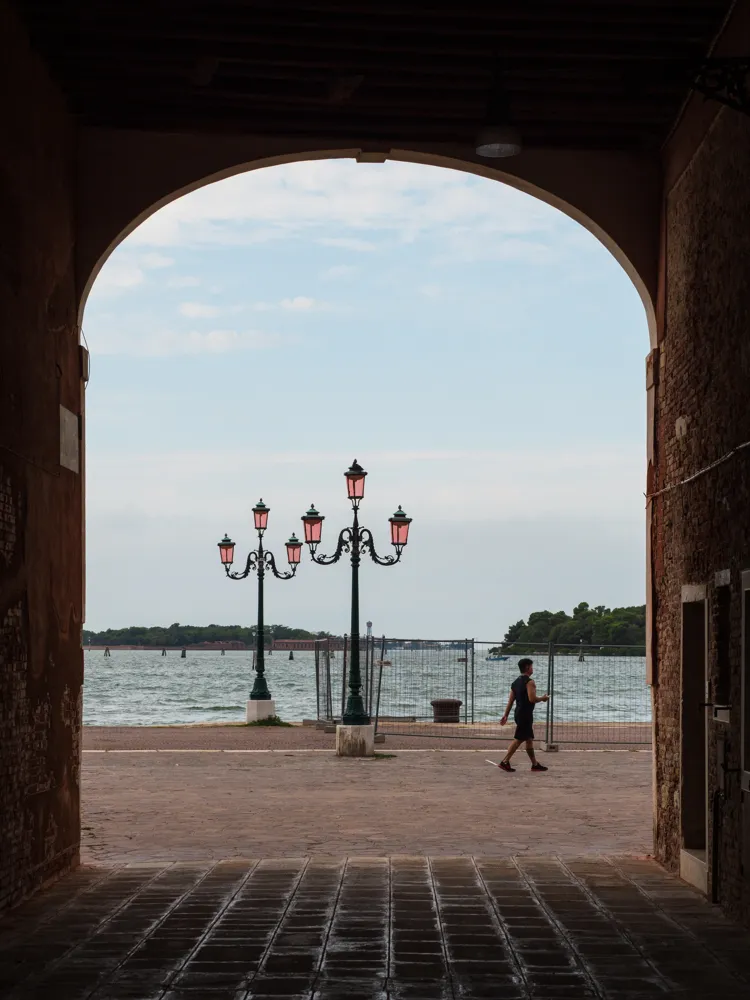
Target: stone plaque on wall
69 447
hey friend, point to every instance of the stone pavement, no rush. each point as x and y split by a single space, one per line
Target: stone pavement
237 736
404 928
186 804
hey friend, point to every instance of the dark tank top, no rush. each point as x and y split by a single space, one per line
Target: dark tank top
524 708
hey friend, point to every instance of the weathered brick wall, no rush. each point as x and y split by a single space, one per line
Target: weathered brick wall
40 502
702 412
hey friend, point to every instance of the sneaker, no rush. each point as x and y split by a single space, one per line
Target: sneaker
504 765
539 767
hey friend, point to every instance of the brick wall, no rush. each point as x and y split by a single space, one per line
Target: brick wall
702 412
40 502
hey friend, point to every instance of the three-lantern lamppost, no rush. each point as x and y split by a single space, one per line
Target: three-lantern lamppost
258 562
355 540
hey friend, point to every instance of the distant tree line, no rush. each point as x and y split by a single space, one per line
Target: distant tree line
599 626
189 635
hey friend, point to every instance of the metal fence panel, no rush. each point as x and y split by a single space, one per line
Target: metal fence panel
366 668
599 693
324 688
332 664
417 673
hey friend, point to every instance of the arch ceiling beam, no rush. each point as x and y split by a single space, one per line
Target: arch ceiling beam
583 74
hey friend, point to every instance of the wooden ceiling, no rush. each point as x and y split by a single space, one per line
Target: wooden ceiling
596 74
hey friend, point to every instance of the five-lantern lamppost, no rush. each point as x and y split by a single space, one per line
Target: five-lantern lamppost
258 561
355 540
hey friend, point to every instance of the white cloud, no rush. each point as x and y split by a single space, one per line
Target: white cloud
338 271
221 341
347 243
465 245
198 310
165 342
184 282
430 291
297 303
125 270
300 303
117 275
156 260
400 200
492 485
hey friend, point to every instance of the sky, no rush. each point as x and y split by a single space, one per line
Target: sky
480 353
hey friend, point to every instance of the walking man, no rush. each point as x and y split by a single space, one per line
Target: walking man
523 693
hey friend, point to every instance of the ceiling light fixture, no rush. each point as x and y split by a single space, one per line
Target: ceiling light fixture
498 140
498 136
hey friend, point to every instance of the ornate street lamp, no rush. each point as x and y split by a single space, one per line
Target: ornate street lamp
355 540
258 561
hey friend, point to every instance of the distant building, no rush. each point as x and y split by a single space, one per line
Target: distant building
281 644
224 644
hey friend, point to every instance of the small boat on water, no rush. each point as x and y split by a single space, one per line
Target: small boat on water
496 657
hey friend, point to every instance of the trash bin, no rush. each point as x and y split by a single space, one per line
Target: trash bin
446 710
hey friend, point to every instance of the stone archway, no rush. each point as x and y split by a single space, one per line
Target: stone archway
129 176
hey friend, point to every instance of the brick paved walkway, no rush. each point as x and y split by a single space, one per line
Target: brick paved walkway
405 928
296 737
188 805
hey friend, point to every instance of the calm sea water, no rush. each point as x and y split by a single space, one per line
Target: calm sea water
142 688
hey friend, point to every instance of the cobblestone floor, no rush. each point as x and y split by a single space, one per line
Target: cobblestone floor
404 928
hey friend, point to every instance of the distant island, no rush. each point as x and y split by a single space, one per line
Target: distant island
176 635
598 626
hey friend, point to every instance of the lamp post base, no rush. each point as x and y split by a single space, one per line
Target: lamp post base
362 719
257 710
355 741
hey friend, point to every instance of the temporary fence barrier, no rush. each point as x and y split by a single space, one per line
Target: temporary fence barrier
459 689
332 663
599 695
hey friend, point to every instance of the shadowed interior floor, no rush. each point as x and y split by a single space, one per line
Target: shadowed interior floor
407 928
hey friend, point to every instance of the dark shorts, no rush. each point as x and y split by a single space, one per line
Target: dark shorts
524 730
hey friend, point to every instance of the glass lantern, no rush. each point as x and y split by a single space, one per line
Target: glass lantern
313 522
399 529
355 482
260 515
226 550
294 550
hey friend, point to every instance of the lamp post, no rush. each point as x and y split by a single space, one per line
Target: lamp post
355 540
258 561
